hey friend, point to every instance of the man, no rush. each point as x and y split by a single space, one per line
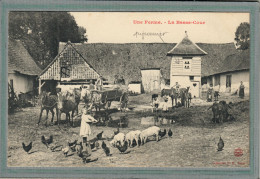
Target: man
241 90
99 83
177 87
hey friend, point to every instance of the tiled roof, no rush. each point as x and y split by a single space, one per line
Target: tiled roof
186 47
19 60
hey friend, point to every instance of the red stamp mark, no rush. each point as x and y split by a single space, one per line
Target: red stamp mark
238 152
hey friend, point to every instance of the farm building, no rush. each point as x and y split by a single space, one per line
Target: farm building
135 87
233 70
126 60
69 69
151 79
186 65
22 69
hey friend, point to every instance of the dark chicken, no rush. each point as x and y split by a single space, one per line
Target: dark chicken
123 148
27 148
162 134
99 136
220 144
47 141
103 145
170 133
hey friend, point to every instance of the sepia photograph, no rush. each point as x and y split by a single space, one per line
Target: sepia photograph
128 89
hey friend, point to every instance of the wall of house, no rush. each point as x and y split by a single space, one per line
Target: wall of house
135 88
151 80
178 66
236 78
21 83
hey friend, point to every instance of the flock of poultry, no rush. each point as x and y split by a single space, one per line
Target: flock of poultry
85 151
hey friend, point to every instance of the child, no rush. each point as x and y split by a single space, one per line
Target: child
165 107
85 130
155 103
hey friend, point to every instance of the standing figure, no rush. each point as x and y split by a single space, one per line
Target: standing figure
241 90
177 87
85 130
210 93
155 103
99 83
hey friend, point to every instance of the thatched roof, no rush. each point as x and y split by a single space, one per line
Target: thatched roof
236 62
19 60
127 59
186 48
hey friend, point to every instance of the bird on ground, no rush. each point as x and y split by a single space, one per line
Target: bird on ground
170 133
103 145
122 148
28 147
92 145
162 134
106 149
72 145
79 148
99 136
47 141
116 132
66 150
220 144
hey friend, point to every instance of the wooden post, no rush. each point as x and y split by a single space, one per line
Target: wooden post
40 86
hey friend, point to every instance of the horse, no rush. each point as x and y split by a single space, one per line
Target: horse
172 93
185 96
67 103
48 102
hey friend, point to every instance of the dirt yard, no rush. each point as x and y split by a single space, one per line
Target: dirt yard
193 144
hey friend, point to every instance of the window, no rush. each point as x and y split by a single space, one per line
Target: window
187 63
191 78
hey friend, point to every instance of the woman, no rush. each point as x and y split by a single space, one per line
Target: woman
241 90
85 130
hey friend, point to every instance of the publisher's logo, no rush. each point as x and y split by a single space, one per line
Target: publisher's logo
238 152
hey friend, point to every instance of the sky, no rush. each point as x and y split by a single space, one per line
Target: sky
122 27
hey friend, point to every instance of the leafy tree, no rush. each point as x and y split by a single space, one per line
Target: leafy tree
243 36
41 32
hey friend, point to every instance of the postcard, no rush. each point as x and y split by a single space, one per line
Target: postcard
106 92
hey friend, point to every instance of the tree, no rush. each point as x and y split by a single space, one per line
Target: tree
41 32
243 36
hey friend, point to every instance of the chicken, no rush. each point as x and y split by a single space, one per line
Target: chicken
103 145
79 148
116 132
99 136
92 145
105 148
220 144
170 133
47 141
123 148
28 147
66 150
107 151
73 145
162 134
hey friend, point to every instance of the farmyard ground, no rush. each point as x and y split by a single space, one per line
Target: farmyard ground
193 144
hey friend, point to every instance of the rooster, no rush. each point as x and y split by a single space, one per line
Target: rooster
28 147
99 136
122 148
220 144
47 141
